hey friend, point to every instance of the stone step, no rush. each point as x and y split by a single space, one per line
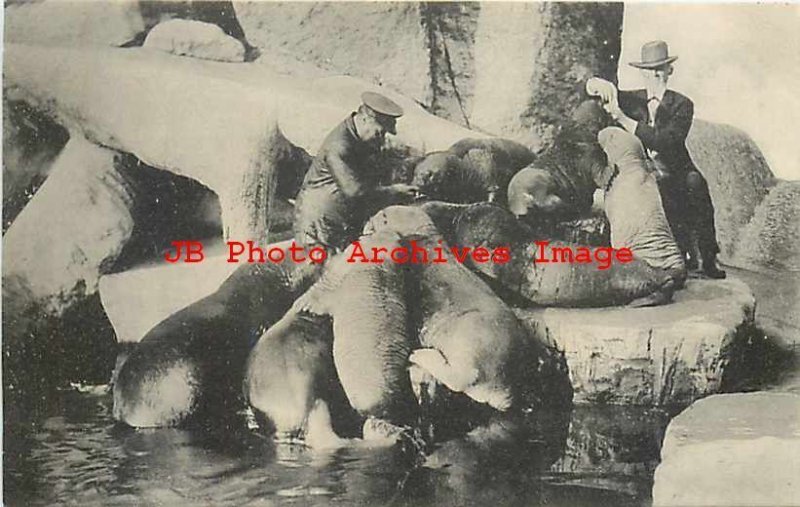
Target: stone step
665 355
732 449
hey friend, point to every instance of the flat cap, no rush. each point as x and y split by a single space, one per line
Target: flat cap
381 104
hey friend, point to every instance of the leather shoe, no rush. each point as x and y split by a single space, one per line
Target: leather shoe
712 271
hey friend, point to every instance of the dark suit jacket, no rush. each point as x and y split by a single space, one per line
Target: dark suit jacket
668 136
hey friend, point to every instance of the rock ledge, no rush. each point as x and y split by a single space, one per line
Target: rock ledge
732 449
667 355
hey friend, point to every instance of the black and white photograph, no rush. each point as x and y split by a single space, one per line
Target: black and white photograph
395 253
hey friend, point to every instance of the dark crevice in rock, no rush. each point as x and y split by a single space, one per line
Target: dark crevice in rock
167 208
452 79
31 142
429 24
450 28
754 361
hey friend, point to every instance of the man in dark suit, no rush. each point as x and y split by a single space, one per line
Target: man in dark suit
661 119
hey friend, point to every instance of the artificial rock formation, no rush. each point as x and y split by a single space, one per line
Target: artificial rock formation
423 50
31 142
771 238
59 23
48 250
384 43
737 174
161 124
666 355
146 122
732 449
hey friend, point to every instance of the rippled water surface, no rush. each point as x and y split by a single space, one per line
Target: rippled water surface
78 455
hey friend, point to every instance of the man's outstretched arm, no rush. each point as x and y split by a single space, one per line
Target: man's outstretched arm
353 188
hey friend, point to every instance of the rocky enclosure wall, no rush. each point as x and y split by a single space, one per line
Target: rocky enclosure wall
511 69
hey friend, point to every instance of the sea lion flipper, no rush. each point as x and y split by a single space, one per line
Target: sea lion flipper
319 428
660 297
435 363
311 302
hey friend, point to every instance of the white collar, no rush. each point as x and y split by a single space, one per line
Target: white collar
659 95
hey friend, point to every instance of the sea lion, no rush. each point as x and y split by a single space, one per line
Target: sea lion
443 176
472 170
493 161
372 338
563 284
190 366
508 153
289 372
192 363
633 205
560 184
471 340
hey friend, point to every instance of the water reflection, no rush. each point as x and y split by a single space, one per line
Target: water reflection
591 456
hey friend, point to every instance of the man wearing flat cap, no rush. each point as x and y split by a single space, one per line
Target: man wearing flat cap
661 119
342 188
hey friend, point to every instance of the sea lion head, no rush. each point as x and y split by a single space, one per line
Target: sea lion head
622 148
431 174
409 222
488 225
531 191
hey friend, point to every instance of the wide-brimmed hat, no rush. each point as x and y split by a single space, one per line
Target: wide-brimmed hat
654 55
386 110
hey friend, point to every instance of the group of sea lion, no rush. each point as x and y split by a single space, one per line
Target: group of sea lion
352 336
357 346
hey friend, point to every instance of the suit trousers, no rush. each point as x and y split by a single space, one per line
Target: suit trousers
690 212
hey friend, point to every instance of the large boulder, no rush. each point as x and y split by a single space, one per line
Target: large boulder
218 12
185 37
732 449
75 225
738 177
60 23
772 237
665 355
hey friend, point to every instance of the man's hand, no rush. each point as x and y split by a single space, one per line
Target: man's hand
404 192
597 87
613 110
619 116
